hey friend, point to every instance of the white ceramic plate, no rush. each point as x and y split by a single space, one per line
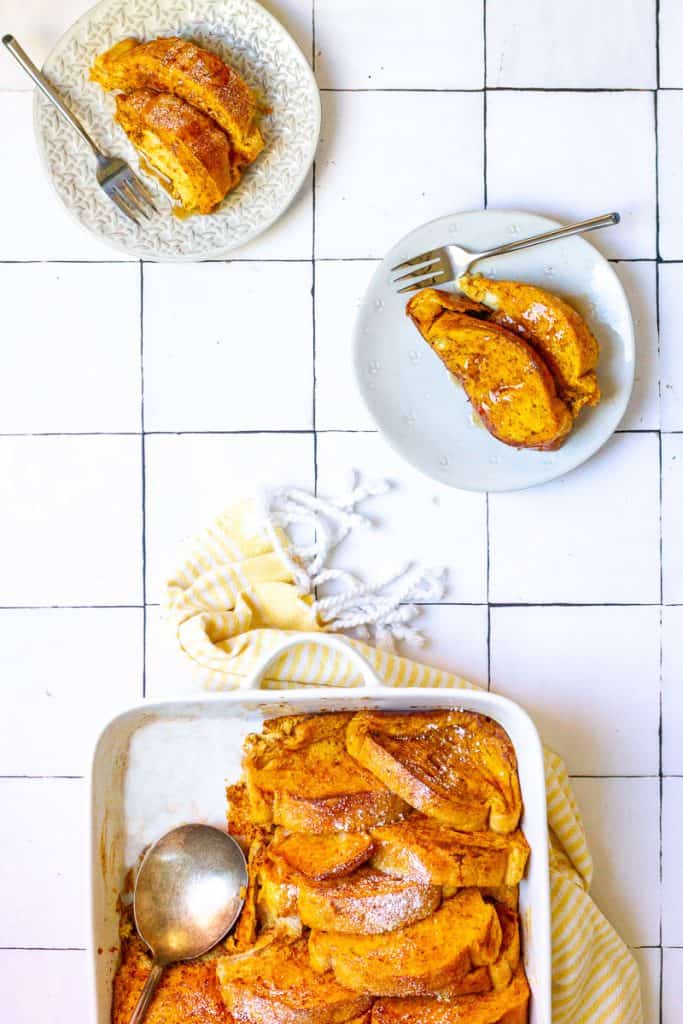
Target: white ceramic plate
425 415
247 37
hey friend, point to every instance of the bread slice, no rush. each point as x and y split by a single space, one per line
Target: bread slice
428 851
275 984
456 766
324 856
503 376
188 991
277 893
178 66
366 902
300 775
500 1006
551 326
188 150
240 816
419 959
498 974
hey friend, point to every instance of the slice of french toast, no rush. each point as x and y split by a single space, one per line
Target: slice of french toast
428 851
549 324
324 856
188 991
498 974
366 902
299 775
455 766
500 1006
184 148
199 77
419 959
504 377
275 984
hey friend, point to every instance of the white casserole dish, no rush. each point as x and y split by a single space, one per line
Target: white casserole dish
158 765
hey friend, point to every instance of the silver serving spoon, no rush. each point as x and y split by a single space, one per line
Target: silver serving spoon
188 894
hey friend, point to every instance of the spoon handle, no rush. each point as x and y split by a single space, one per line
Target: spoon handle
147 993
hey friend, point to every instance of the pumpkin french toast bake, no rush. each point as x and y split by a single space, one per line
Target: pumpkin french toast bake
525 358
384 856
190 115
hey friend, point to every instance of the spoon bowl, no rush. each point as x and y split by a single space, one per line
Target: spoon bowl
189 892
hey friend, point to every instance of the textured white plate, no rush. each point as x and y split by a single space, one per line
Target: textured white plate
425 415
247 37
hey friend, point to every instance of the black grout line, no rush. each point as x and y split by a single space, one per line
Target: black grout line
43 949
502 88
485 113
66 607
660 723
144 479
424 604
313 280
39 778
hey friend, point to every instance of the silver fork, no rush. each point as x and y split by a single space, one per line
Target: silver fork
448 263
119 182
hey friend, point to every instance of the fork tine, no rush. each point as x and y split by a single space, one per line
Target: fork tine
428 268
426 282
141 190
133 199
424 257
119 200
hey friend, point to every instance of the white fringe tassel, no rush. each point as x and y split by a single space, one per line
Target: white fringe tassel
380 612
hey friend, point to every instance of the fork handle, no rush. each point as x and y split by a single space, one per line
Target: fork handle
41 81
548 236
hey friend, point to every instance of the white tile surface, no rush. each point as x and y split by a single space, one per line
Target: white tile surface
45 985
670 43
604 141
219 355
592 536
607 45
670 113
67 671
369 191
671 357
640 283
672 691
35 225
672 503
672 986
339 289
649 965
169 673
44 829
63 366
192 478
37 26
672 877
382 45
621 817
70 520
456 640
415 523
595 667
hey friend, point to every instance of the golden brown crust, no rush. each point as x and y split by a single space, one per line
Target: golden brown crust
456 766
366 902
187 992
551 326
504 378
419 959
426 850
195 75
324 856
277 985
181 143
507 1006
299 775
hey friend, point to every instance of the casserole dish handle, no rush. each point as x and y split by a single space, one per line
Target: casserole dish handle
337 644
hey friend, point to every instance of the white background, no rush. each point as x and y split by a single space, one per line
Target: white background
568 598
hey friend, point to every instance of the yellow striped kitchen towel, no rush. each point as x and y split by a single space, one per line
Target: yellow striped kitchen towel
243 585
